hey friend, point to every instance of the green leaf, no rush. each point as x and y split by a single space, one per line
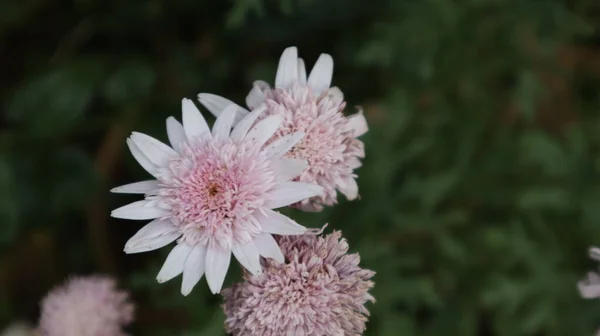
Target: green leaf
53 102
130 83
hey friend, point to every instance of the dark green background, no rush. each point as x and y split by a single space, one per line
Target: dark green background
480 192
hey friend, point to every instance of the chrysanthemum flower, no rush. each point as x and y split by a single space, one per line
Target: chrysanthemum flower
214 193
310 105
86 306
319 291
589 288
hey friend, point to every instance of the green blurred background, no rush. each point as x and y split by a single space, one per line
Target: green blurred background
480 192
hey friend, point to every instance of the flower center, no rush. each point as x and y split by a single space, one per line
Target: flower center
214 187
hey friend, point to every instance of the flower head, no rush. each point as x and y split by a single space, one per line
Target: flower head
310 105
86 306
214 193
320 290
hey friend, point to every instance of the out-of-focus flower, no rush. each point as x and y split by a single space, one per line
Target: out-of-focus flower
320 290
589 288
214 193
310 105
86 306
19 329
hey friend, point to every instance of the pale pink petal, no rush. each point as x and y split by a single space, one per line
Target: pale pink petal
262 85
287 193
347 186
301 71
156 151
594 253
336 96
287 70
193 269
263 130
216 104
288 169
223 124
276 223
154 243
150 231
255 97
217 264
140 210
241 129
321 74
589 289
142 187
268 247
141 158
174 263
279 147
176 133
193 121
247 254
358 124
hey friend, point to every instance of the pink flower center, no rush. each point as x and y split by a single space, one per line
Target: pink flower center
214 188
319 117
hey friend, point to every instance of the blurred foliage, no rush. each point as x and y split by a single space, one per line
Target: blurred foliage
480 192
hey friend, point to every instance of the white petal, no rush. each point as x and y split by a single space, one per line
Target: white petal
264 130
262 85
156 151
279 147
223 124
320 76
287 70
301 71
247 254
173 266
348 187
288 169
268 247
176 133
276 223
155 229
154 243
141 158
216 104
255 97
287 193
194 269
217 264
142 187
140 210
241 129
193 121
358 124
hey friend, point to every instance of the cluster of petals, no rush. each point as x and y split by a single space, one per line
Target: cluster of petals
214 193
309 104
86 306
320 290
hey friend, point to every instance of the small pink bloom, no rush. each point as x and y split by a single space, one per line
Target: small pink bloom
310 105
320 290
214 192
86 306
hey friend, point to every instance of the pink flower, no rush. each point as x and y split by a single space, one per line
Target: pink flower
86 306
319 291
214 193
310 105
